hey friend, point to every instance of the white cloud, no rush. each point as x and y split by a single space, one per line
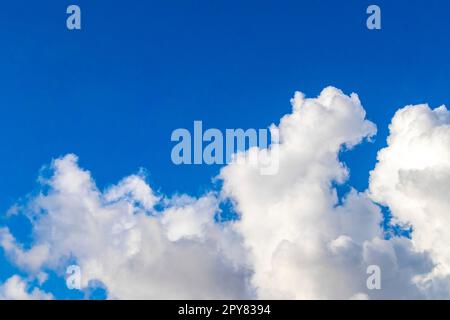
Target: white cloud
15 288
30 260
118 238
133 188
302 243
412 178
295 238
190 218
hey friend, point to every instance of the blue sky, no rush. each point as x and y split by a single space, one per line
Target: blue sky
113 92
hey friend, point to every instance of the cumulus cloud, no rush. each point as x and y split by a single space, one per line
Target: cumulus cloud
302 243
412 178
15 288
117 237
294 238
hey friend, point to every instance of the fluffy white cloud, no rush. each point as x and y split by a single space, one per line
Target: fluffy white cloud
15 288
294 239
302 243
30 260
412 178
118 238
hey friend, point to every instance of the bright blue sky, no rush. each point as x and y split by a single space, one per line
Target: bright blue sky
113 92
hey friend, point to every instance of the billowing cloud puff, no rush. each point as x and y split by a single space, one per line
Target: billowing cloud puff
118 238
302 243
412 178
15 288
294 237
